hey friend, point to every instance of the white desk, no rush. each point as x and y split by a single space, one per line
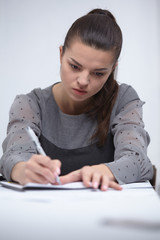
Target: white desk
80 214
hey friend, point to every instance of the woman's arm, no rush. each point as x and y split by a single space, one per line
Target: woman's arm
20 161
131 163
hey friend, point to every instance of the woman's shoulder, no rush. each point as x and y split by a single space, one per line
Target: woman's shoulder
126 94
36 99
39 94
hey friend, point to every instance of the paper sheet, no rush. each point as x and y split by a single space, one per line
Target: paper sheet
68 186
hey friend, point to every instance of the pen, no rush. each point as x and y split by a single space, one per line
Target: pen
38 146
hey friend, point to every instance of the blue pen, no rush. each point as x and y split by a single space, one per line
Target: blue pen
38 146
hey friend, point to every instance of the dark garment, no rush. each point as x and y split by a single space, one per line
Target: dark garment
73 159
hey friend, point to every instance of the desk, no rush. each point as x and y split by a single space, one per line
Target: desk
133 213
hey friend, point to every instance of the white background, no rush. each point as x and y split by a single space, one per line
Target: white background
31 32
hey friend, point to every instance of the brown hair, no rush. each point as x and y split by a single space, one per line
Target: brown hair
99 29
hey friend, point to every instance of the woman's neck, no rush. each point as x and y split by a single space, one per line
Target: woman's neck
66 104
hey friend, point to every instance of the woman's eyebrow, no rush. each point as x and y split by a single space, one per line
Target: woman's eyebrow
101 69
76 62
80 65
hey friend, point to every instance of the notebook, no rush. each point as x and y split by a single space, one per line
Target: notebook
32 186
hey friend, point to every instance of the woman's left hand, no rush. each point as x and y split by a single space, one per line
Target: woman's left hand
93 176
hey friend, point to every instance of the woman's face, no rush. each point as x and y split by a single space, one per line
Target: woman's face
84 70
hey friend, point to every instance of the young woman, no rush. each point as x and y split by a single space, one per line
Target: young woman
90 126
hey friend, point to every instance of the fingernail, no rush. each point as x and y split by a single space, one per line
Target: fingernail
95 184
90 184
58 180
58 170
104 187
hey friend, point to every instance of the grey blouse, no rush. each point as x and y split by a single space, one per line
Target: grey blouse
67 137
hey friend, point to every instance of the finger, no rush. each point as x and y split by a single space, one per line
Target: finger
42 160
87 172
55 166
39 169
45 161
74 176
105 182
115 185
91 177
31 177
96 179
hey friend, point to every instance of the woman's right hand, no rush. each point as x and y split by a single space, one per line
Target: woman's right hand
38 169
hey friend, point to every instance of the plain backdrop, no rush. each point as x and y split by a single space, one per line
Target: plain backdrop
31 32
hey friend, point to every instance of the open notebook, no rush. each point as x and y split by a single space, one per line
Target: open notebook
68 186
30 186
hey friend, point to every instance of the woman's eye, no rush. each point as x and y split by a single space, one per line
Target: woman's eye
74 67
99 74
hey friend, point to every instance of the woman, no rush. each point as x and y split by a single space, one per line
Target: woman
90 126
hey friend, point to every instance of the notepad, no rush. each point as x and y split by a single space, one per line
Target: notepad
34 186
68 186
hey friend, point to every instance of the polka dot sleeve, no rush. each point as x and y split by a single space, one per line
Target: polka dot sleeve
131 163
18 146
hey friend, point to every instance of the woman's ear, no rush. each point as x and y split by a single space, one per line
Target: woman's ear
61 53
115 66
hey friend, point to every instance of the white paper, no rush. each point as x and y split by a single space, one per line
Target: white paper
137 185
68 186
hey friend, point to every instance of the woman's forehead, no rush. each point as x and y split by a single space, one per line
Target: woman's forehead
83 53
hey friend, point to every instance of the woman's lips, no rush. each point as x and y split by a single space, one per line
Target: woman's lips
79 92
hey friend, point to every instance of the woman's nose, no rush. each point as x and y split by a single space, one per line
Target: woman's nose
83 79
